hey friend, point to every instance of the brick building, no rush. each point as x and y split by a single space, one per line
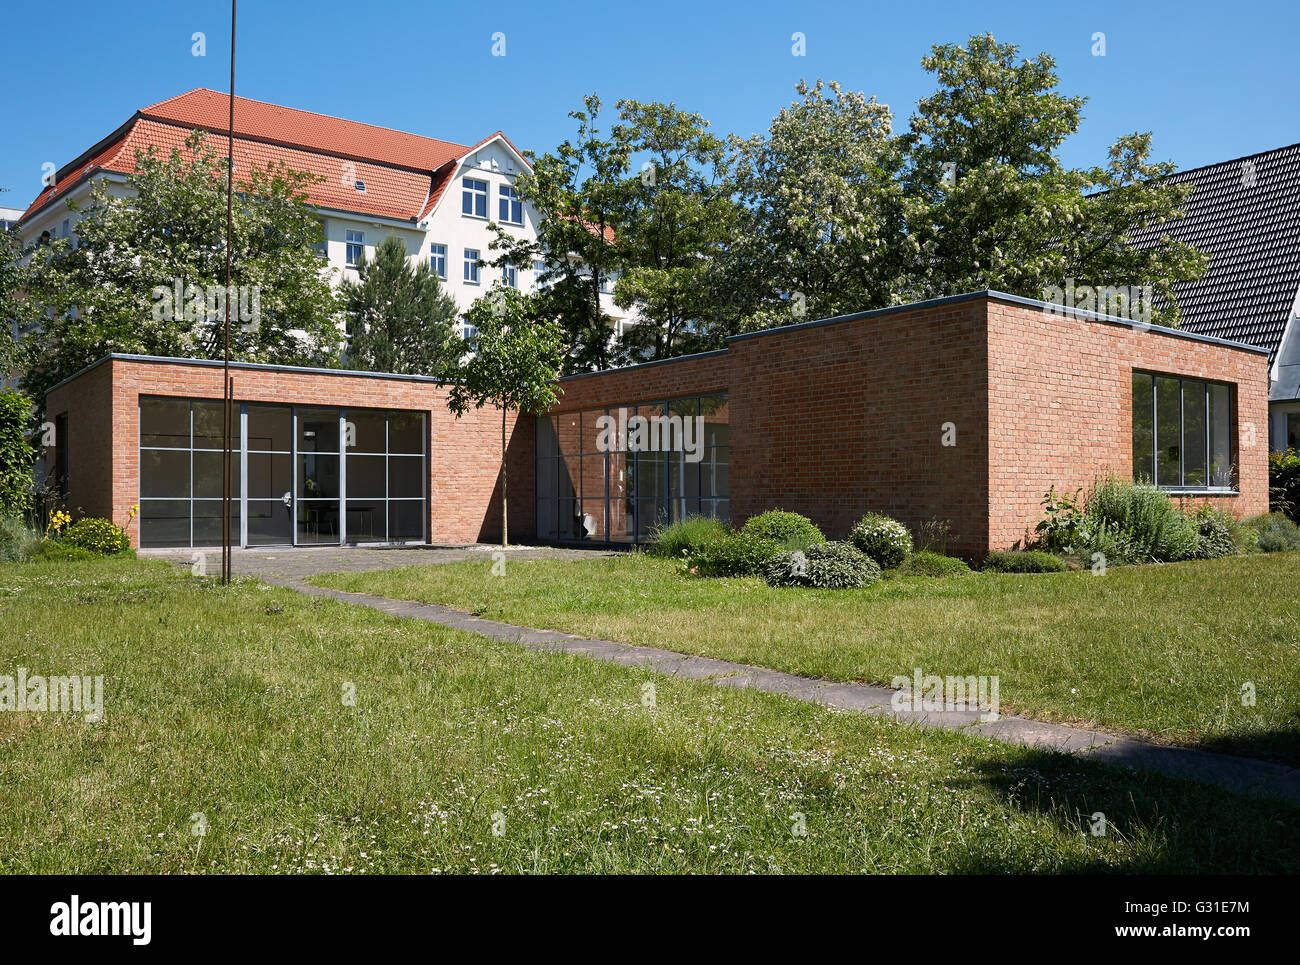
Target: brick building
964 409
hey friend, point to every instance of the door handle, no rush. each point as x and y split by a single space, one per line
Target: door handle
287 499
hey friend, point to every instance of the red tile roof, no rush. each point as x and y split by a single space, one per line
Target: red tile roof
404 174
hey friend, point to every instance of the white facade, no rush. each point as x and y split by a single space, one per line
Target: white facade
458 233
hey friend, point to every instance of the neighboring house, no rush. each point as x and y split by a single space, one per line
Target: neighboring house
1245 213
437 196
9 217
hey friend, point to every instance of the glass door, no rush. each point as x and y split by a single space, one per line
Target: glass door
268 465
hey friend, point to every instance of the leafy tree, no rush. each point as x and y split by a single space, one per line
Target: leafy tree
16 454
823 226
675 218
13 275
991 205
114 290
514 365
401 319
577 192
646 206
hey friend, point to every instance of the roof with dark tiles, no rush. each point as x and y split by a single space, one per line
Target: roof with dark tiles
1245 213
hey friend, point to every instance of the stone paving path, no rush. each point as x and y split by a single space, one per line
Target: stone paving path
291 567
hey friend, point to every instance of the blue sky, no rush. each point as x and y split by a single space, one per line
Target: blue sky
1213 81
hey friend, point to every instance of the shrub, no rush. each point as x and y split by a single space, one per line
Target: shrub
18 541
885 540
1031 561
16 454
1138 520
782 527
1284 483
52 552
926 563
1062 520
733 554
686 534
933 535
824 565
1276 533
1217 534
97 535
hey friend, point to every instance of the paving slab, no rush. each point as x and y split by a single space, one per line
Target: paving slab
1235 773
1037 733
768 681
859 697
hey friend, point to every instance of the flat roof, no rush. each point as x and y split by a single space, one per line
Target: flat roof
246 366
1049 307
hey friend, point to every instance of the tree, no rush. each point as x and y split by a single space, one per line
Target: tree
16 454
401 319
822 231
576 192
147 273
515 362
991 205
643 209
676 216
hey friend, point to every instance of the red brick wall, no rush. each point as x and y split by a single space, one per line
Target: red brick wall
836 420
92 461
1061 409
464 455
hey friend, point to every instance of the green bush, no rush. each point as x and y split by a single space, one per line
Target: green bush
1138 523
16 454
885 540
18 541
683 535
1216 534
97 535
782 527
1284 483
824 565
926 563
51 551
1276 533
733 554
1063 517
1031 561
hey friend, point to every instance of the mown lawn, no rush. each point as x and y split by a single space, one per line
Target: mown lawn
1161 650
228 703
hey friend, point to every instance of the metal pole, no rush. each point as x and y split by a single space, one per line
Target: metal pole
226 387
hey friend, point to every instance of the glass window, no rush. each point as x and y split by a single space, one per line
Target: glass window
165 423
471 266
510 275
364 430
474 198
406 432
1144 428
1292 430
318 430
438 260
356 247
511 208
1182 432
270 428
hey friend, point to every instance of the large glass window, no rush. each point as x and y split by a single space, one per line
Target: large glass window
1182 432
180 472
314 474
616 474
474 198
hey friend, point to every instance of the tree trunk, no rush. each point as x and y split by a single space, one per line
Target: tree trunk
504 518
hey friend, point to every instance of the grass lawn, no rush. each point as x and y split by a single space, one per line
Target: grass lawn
1161 650
228 702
